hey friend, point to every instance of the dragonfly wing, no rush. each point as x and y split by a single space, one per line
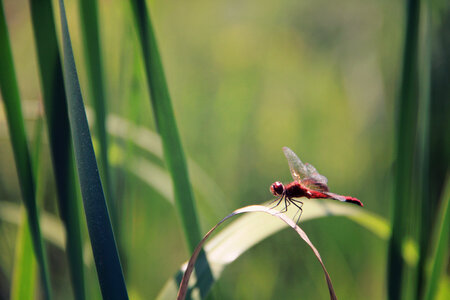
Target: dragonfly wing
312 173
298 169
315 185
337 197
314 180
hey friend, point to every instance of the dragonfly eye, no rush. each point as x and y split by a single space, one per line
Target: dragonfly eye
277 188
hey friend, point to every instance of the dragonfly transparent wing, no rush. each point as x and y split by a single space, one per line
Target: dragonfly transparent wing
305 173
313 174
315 185
314 180
337 197
298 169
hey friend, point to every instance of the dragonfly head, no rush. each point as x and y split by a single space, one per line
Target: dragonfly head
277 188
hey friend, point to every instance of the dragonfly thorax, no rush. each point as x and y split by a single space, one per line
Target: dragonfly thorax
277 188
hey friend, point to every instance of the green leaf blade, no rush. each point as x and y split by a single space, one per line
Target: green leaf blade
167 128
399 275
58 129
90 29
441 251
23 283
11 99
104 247
166 125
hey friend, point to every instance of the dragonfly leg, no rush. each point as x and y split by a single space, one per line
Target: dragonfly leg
287 202
300 210
278 203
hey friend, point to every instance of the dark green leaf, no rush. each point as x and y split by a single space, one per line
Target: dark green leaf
403 208
104 248
423 149
90 29
55 106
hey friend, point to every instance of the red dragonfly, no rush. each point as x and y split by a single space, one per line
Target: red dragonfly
307 183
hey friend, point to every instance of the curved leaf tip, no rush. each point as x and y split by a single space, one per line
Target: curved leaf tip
252 208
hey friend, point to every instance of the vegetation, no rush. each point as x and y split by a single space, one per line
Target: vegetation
130 129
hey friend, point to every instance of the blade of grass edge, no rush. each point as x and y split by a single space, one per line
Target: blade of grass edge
253 208
167 128
166 125
55 105
11 99
103 244
402 208
423 151
90 29
440 244
23 285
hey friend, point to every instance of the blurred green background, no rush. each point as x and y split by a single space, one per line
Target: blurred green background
246 78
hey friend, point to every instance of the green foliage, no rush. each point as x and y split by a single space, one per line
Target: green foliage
245 79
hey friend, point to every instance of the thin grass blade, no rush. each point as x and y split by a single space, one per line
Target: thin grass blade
24 274
441 243
11 99
23 285
403 208
103 244
166 125
167 128
423 148
90 29
55 106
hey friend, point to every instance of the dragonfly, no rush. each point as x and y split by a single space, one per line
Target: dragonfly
307 183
